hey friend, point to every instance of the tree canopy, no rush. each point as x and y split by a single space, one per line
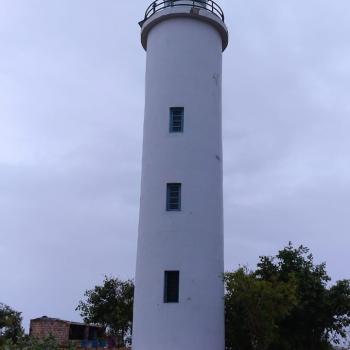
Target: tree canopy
110 305
286 304
10 324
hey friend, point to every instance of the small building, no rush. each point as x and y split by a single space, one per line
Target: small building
65 332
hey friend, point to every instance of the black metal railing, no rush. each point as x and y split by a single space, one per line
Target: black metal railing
208 5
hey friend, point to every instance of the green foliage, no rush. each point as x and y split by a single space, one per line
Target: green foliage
286 304
253 309
111 306
29 343
10 325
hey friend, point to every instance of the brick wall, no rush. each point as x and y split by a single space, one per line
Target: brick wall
43 328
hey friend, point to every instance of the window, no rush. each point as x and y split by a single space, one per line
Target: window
176 119
173 197
76 332
171 286
201 3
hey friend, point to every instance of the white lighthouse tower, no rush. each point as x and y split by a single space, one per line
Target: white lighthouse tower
179 294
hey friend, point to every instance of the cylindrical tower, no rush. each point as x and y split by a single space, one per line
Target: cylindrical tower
179 294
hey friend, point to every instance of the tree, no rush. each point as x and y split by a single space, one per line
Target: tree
10 324
287 303
111 306
253 309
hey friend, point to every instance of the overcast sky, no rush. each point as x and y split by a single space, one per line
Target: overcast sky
71 114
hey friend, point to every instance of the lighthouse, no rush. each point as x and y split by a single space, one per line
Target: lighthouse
179 291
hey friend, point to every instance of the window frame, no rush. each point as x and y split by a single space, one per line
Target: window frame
167 297
173 113
170 197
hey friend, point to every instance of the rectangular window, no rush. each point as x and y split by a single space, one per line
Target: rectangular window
173 197
171 286
176 119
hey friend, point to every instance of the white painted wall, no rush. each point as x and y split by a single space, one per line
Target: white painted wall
184 64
